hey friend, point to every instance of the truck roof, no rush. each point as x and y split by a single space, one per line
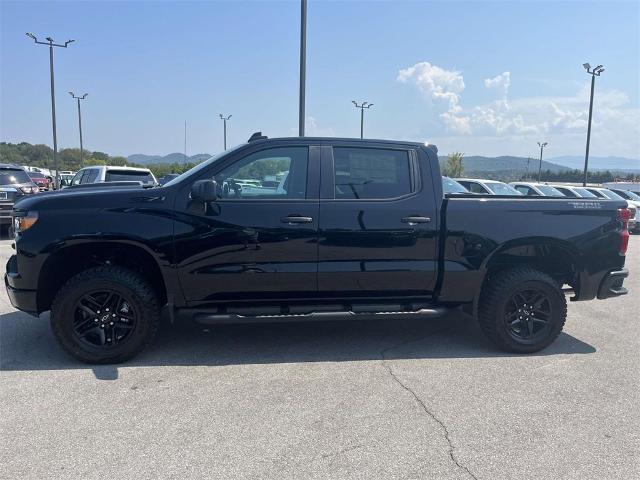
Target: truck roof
262 138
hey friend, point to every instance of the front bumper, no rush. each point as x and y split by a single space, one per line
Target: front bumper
611 285
21 299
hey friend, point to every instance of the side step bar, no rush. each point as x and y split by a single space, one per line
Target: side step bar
213 318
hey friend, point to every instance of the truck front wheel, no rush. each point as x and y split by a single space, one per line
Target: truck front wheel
522 310
105 314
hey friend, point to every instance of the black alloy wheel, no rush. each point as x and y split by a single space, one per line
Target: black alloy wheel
103 318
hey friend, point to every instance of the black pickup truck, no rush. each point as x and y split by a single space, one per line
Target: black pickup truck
308 228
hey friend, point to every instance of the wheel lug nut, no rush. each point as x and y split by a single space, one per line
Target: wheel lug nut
106 309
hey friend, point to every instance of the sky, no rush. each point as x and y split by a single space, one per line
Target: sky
483 78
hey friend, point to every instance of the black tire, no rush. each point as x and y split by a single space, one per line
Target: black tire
516 329
72 324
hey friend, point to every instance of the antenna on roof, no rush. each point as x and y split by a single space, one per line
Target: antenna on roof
257 136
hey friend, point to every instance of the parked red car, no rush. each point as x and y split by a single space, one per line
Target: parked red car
40 180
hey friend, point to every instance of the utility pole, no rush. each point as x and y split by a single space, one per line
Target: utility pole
594 73
362 106
185 142
224 120
527 174
51 44
541 145
80 125
303 66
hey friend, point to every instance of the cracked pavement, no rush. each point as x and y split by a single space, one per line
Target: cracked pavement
402 399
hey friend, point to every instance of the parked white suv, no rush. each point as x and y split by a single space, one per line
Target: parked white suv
102 174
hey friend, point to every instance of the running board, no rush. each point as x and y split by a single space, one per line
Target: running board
221 318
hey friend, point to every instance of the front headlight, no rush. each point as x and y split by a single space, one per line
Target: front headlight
24 221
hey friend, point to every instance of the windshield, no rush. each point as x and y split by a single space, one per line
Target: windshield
11 176
611 195
201 166
500 188
129 175
451 186
583 192
632 195
549 191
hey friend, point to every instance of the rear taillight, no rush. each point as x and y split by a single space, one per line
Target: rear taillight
624 214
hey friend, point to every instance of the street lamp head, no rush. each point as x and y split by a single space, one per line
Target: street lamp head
31 35
71 93
49 39
354 102
68 42
545 144
85 95
586 66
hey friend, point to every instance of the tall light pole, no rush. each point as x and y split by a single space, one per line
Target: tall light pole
185 142
303 66
594 73
224 120
51 44
80 124
541 145
362 106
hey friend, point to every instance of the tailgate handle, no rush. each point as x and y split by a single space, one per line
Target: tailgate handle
414 220
292 219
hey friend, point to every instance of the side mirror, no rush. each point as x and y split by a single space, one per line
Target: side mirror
205 191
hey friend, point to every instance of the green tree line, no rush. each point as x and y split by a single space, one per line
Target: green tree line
69 159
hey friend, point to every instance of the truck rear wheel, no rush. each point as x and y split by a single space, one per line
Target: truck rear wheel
105 314
522 310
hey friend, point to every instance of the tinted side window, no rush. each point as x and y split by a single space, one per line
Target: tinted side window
476 188
370 173
89 176
268 174
526 191
566 192
128 175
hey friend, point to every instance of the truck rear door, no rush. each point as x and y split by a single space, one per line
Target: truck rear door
378 225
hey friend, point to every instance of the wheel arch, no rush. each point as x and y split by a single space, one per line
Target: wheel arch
73 258
558 258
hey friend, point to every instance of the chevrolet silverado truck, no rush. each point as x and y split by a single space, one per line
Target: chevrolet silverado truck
298 229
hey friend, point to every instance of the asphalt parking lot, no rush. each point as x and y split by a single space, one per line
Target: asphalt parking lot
370 400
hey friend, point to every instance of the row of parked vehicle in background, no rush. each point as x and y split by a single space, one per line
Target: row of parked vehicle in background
629 192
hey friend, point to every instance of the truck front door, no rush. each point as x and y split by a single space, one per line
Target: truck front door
259 239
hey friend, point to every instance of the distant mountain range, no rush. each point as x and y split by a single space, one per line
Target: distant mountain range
599 163
142 159
509 166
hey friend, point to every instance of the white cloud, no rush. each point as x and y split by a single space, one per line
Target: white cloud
526 118
313 130
499 81
440 85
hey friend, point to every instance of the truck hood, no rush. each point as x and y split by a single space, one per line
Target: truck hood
99 197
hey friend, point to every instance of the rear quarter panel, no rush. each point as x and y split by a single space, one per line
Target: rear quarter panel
478 229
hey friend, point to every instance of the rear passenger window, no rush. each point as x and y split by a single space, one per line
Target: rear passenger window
90 176
476 188
370 173
530 192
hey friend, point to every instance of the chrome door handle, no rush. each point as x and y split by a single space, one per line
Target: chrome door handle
294 219
414 219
